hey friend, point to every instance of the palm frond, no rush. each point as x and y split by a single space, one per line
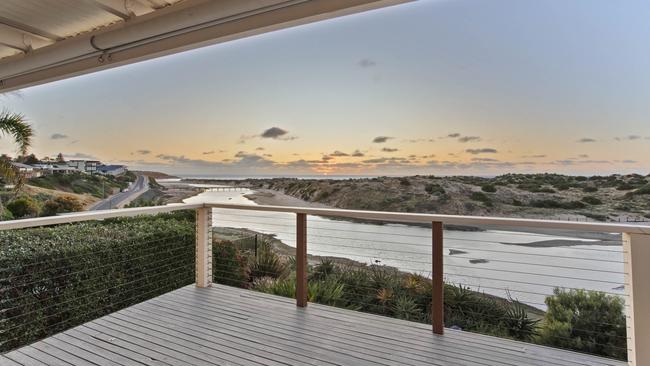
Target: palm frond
14 124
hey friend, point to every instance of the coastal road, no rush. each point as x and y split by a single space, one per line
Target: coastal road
136 188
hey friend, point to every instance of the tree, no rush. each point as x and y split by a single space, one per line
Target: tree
30 159
14 124
60 159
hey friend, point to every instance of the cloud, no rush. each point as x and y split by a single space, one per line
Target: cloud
539 156
366 62
485 160
143 152
275 133
389 149
259 149
454 135
79 155
58 136
586 140
339 153
208 152
481 151
629 138
381 139
468 138
413 141
358 154
583 156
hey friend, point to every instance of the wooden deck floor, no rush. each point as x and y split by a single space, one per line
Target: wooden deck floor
227 326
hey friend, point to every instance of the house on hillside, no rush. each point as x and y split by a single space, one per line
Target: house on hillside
61 168
26 171
111 169
86 166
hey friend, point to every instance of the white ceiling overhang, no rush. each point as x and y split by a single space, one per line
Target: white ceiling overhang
47 40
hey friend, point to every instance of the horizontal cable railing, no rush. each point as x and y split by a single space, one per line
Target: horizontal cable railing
56 277
513 278
506 283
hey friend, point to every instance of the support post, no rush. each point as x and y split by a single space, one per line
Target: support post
437 307
203 247
301 260
637 288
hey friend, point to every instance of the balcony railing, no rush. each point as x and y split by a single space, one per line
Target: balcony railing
430 254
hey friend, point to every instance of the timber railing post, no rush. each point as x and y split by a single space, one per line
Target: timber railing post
437 307
203 247
637 288
301 259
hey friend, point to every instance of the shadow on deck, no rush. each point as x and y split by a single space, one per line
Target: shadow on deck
229 326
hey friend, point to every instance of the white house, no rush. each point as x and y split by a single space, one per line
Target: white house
111 169
87 166
26 171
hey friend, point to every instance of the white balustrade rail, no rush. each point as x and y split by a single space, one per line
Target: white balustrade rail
636 246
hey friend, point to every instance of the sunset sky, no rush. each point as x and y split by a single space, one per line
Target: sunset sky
431 87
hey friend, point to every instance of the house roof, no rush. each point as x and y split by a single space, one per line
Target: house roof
46 40
22 166
106 168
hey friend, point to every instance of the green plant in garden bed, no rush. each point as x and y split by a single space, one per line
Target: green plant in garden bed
54 278
386 291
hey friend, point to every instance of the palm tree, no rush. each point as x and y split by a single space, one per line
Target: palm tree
14 124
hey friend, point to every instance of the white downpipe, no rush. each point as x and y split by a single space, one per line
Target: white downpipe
186 16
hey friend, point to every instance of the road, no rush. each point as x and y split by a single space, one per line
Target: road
136 188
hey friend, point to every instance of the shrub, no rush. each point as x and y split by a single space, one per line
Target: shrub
591 200
268 263
23 207
490 188
434 188
58 277
479 196
587 321
229 267
557 204
589 189
61 204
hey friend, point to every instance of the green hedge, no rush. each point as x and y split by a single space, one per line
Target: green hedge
55 278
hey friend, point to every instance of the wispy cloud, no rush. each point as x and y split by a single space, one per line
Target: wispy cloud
208 152
358 154
537 156
381 139
143 152
389 149
586 140
338 153
468 138
485 150
79 155
366 62
454 135
58 136
628 138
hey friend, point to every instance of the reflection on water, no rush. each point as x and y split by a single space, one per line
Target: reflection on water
478 259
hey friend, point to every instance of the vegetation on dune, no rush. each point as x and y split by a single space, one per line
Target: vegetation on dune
612 197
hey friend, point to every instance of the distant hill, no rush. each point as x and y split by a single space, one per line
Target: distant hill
155 175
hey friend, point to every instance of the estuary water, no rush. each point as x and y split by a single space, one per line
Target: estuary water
525 266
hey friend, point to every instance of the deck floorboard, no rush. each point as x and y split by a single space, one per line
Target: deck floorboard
229 326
